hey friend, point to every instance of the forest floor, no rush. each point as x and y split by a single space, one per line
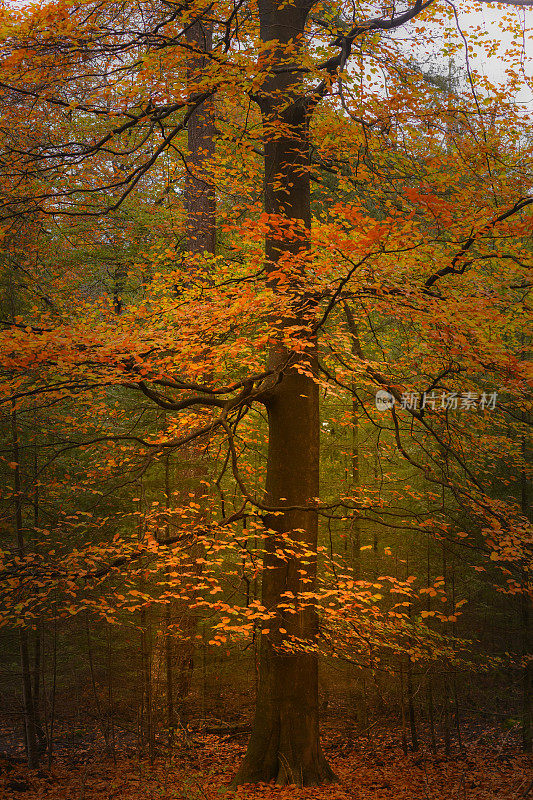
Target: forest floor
203 765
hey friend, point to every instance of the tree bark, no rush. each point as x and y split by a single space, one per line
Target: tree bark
525 609
30 732
284 744
200 206
199 190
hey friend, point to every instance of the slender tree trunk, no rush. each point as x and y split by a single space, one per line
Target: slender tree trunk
204 671
285 745
411 706
431 714
53 699
30 730
527 679
525 614
410 692
36 689
103 726
147 701
457 715
446 689
429 676
402 708
39 633
146 727
446 701
110 699
169 682
355 521
169 686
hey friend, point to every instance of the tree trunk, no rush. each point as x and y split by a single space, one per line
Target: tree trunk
169 678
527 678
525 606
411 706
200 191
356 471
285 738
30 730
39 632
429 676
285 745
147 720
200 203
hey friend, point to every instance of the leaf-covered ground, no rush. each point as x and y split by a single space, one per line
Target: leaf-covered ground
375 769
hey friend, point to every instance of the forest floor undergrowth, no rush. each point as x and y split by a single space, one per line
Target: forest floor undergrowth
202 765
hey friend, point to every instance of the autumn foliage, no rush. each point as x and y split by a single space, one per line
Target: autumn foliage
163 398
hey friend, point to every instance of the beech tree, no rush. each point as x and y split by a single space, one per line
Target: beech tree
115 88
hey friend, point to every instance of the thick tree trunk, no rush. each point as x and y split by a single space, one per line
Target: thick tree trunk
285 742
285 745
